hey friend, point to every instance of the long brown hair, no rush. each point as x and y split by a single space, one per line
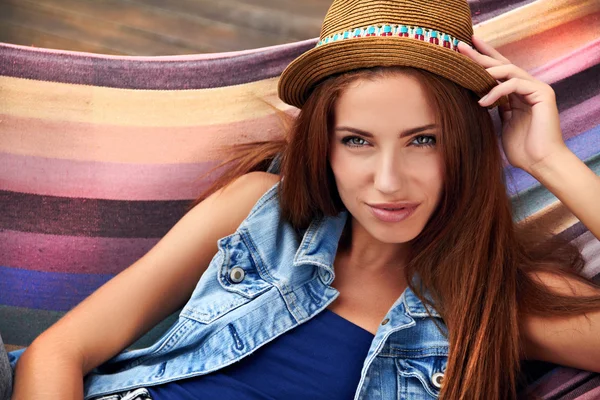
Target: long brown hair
472 258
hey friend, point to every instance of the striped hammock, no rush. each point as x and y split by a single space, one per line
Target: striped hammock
100 155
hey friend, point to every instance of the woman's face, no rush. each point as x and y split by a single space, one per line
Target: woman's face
384 156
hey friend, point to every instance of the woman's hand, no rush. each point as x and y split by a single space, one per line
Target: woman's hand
531 133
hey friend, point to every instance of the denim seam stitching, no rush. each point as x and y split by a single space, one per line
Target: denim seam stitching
261 265
308 237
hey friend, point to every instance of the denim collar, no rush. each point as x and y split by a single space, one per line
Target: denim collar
319 244
415 307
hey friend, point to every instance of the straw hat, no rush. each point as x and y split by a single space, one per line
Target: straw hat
368 33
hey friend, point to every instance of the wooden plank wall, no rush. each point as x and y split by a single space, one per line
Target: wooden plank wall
159 27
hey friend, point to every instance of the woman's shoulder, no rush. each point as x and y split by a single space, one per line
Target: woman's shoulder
248 189
246 195
231 205
253 184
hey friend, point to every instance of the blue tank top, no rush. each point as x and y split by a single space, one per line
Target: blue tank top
319 359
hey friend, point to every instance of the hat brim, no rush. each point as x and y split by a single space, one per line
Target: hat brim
301 75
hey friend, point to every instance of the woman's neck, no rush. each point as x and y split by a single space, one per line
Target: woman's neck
360 251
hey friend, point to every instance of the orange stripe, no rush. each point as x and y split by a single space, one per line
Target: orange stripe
129 144
534 51
556 217
535 18
156 108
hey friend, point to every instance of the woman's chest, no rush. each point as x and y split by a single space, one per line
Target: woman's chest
366 302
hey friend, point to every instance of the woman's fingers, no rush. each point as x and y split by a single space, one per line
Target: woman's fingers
508 71
481 59
529 90
488 50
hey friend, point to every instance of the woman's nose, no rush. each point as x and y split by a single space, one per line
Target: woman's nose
388 175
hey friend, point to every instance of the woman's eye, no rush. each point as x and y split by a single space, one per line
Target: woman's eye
354 141
424 140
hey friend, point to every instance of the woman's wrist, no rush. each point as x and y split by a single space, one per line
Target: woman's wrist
554 166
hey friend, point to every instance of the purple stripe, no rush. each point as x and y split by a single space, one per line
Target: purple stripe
576 89
581 117
46 290
590 249
482 10
89 217
574 232
235 69
585 146
98 255
70 254
181 57
563 383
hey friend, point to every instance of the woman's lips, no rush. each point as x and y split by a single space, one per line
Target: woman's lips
392 215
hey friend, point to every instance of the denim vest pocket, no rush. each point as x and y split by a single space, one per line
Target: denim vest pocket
421 373
231 280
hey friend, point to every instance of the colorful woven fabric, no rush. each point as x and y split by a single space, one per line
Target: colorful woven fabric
101 155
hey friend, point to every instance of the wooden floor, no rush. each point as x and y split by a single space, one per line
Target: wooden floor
159 27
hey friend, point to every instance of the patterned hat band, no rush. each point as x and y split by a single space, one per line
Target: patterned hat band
387 30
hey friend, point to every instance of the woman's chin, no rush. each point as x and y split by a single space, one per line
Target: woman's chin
392 234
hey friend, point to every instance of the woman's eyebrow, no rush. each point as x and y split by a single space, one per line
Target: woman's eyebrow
405 133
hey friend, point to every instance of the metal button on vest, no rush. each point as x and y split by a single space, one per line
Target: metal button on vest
237 274
385 321
437 379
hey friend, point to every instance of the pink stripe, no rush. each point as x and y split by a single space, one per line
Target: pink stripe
89 255
570 64
102 180
184 57
98 255
593 394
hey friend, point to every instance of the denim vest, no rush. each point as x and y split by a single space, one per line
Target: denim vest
266 279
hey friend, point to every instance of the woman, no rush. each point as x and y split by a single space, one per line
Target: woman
384 263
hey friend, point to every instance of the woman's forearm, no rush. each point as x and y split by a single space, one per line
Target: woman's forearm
44 372
575 185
